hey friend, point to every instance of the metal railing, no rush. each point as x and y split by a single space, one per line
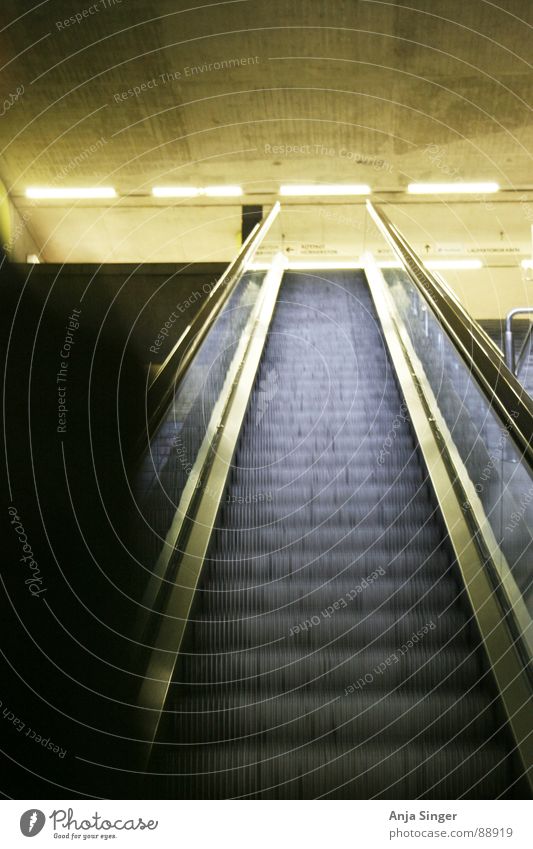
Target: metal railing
170 373
490 343
514 363
171 599
500 386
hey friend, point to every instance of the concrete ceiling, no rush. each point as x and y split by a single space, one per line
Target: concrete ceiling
309 90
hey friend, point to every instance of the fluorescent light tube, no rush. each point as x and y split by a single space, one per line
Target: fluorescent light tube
323 265
259 266
195 191
175 191
49 193
437 264
222 191
309 265
324 190
451 188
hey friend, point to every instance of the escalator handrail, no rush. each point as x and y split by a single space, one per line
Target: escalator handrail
502 390
488 341
170 373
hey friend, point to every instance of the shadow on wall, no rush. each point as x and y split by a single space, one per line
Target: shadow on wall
73 401
155 302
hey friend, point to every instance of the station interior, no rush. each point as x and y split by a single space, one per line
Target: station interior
266 302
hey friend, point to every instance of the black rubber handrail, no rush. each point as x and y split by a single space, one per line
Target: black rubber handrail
490 343
163 384
504 393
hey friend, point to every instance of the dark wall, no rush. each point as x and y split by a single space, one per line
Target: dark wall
155 302
75 342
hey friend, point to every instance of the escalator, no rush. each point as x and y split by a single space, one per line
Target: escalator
519 344
331 650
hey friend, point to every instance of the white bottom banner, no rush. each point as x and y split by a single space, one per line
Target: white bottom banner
260 824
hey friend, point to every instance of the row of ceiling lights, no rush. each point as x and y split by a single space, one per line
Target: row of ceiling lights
432 264
297 190
317 265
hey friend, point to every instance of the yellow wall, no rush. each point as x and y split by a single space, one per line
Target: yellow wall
5 217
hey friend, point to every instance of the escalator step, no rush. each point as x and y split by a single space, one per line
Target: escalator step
330 651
